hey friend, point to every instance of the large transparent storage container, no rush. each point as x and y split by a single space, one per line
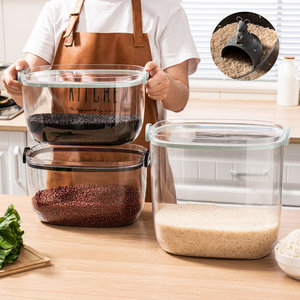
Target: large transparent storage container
84 104
217 186
87 186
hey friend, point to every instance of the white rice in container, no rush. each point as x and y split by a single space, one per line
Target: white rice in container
205 230
235 65
290 245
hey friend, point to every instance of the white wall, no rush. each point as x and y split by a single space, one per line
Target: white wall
17 19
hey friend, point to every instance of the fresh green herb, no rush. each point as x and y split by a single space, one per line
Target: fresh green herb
11 239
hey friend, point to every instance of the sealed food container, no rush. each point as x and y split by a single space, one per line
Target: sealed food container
84 104
222 195
87 186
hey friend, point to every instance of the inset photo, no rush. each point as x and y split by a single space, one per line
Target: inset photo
244 46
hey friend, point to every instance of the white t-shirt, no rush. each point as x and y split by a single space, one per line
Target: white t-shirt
164 21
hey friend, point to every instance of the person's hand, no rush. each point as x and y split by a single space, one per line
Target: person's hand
169 86
10 78
157 87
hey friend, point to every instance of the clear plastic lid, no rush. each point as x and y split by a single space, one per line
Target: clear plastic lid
217 134
83 76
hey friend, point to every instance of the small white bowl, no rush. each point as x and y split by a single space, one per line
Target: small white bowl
289 265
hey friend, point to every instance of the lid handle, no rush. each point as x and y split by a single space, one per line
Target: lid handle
146 75
287 135
239 174
20 75
26 149
147 159
147 133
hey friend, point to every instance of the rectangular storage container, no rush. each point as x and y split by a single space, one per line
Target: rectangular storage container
84 104
217 186
87 186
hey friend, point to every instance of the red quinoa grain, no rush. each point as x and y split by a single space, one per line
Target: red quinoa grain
89 205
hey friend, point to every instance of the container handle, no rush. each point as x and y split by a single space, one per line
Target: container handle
237 174
26 149
146 76
19 75
287 136
147 159
147 134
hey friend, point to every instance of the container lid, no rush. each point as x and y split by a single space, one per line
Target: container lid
217 134
86 159
83 76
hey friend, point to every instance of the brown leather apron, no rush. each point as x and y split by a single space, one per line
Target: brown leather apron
104 48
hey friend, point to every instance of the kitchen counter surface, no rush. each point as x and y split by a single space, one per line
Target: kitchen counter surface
243 109
128 263
226 109
16 124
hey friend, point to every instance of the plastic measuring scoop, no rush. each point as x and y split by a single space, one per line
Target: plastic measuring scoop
248 42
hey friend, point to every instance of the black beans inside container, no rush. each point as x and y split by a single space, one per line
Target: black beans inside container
89 205
100 129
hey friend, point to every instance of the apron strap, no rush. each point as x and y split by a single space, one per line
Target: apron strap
137 23
73 21
136 16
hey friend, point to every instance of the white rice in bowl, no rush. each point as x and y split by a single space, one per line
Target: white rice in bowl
290 245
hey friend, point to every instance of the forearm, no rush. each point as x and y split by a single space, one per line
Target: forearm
169 86
177 96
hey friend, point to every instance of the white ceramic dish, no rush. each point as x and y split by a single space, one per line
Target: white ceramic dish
289 265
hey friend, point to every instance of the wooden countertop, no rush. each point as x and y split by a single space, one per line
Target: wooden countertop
244 109
128 263
16 124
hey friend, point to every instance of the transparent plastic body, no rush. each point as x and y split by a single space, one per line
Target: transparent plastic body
222 194
84 104
87 186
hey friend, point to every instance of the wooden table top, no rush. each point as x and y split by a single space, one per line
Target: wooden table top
128 263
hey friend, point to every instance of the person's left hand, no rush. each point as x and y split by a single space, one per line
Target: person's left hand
157 87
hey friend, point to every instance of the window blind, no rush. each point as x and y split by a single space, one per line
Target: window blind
203 17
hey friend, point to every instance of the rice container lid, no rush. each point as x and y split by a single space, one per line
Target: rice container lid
83 76
218 134
86 159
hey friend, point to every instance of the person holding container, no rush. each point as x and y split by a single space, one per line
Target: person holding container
153 34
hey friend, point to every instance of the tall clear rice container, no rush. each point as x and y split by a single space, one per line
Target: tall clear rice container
217 186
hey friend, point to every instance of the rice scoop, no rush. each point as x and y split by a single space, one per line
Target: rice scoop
248 42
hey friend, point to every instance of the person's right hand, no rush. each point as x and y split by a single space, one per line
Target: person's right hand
10 79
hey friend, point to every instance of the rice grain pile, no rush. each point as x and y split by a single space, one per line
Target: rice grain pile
290 245
205 230
238 64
